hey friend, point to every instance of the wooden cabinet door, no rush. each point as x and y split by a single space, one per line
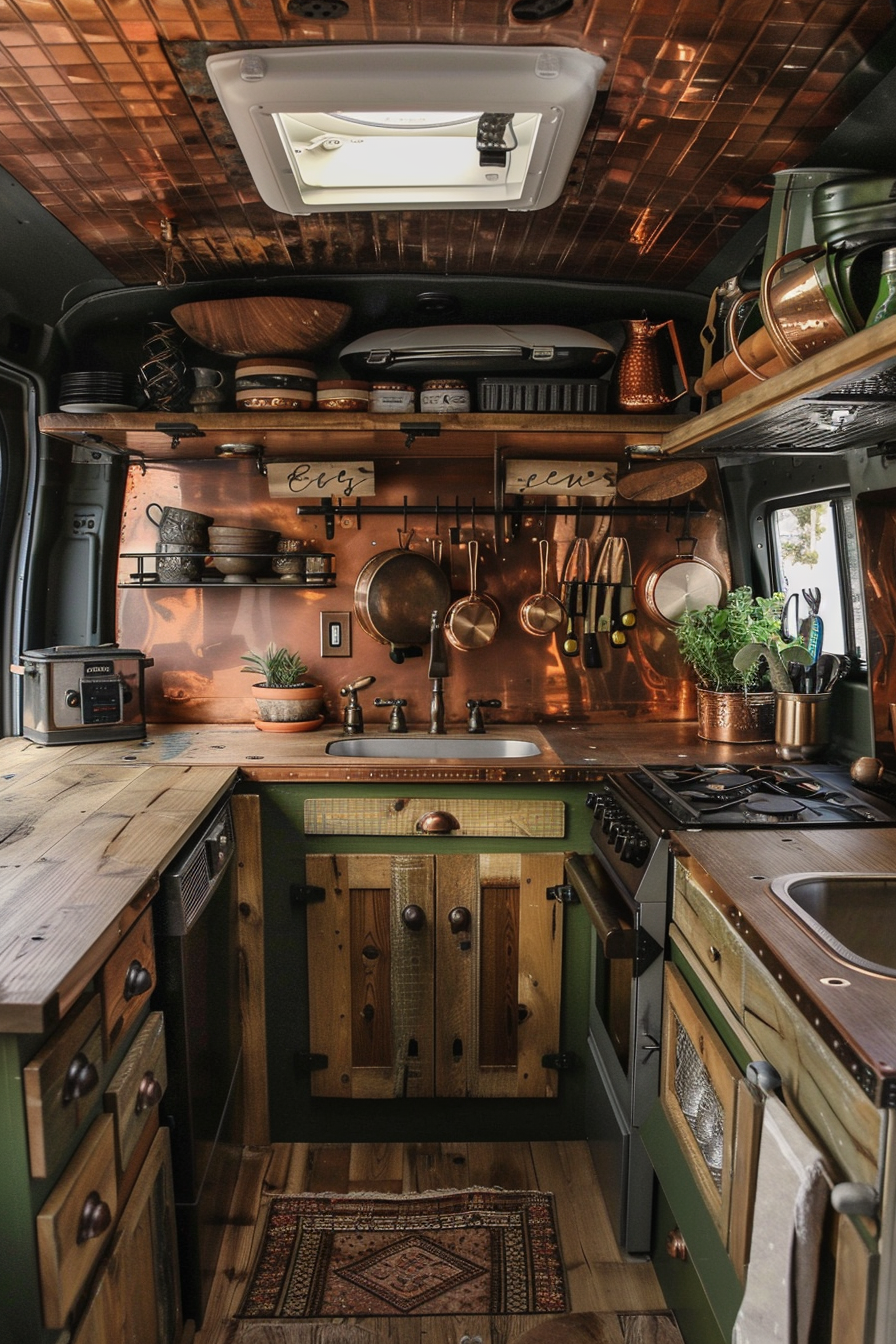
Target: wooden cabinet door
434 976
136 1298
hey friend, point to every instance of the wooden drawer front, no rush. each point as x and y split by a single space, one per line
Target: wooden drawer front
62 1083
127 979
535 818
88 1183
716 945
137 1088
845 1121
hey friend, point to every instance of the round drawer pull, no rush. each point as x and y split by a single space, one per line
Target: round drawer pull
95 1217
676 1247
80 1078
460 919
714 954
149 1093
413 917
137 981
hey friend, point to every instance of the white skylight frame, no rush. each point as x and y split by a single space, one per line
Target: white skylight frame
283 104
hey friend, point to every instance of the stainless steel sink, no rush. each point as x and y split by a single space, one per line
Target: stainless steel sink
430 748
852 914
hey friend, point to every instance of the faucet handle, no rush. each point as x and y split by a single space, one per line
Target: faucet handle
476 723
397 722
353 716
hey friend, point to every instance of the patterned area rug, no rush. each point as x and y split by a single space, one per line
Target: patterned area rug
457 1252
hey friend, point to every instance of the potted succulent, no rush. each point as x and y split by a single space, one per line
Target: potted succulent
735 695
286 703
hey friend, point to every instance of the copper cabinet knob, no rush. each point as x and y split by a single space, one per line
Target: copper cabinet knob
437 823
95 1217
676 1247
137 981
149 1093
460 919
714 954
413 917
80 1078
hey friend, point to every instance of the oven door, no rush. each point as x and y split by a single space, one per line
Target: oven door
624 1035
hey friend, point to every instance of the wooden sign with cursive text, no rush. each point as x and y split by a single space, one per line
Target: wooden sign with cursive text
536 477
297 480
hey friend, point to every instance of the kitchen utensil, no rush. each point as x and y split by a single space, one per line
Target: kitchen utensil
263 325
396 593
684 583
590 650
576 568
543 612
650 485
180 525
804 310
643 378
472 622
627 611
618 637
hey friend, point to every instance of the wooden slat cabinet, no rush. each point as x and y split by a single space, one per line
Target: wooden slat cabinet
434 975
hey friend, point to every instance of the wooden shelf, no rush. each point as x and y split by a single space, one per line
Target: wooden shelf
318 434
840 398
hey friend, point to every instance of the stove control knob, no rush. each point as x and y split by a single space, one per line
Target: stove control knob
621 839
636 849
611 816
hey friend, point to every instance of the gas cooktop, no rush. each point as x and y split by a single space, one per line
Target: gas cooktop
737 794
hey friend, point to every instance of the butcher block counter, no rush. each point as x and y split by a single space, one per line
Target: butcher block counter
82 844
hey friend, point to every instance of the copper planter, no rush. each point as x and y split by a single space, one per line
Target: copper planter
731 716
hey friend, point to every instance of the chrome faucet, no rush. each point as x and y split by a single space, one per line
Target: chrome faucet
438 669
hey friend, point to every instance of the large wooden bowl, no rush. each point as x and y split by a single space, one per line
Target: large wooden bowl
262 326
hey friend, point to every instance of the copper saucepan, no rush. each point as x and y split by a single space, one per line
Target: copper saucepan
472 622
541 613
396 593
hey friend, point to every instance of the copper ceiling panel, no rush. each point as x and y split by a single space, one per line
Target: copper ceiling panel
106 118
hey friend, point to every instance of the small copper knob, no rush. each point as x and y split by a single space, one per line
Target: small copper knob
676 1248
437 823
413 917
460 919
95 1217
149 1093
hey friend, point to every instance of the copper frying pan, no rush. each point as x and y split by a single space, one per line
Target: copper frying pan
541 613
472 622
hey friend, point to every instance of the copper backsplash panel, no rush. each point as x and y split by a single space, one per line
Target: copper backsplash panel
196 635
105 119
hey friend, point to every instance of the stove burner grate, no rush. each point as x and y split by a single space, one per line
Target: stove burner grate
773 807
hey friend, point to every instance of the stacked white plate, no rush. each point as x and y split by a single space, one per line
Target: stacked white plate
93 392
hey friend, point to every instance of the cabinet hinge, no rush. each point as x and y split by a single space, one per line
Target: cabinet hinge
564 893
307 1062
306 894
562 1060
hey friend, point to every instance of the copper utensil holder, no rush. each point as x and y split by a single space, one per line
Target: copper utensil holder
802 725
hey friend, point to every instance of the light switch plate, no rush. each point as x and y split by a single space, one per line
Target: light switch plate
335 634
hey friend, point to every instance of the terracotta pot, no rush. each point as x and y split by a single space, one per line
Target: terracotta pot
731 716
301 707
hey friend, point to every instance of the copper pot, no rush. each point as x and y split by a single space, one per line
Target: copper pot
396 593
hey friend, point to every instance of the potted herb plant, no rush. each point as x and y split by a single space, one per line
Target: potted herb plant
286 703
735 699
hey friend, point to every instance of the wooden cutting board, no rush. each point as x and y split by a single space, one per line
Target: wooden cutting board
665 481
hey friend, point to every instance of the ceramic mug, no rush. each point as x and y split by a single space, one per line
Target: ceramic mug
180 525
211 378
177 563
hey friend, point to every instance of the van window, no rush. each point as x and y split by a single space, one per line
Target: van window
814 545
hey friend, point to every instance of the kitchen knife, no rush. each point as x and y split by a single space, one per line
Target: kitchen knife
590 650
627 612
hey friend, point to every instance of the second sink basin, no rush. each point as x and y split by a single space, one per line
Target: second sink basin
853 914
429 748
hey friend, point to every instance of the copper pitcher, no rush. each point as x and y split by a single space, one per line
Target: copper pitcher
644 377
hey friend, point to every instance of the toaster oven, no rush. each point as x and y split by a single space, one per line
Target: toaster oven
73 694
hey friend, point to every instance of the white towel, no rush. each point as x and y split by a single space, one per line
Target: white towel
792 1191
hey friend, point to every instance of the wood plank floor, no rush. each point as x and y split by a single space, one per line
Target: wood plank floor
619 1293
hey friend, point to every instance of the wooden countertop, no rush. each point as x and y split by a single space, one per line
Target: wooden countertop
82 845
854 1011
87 829
569 752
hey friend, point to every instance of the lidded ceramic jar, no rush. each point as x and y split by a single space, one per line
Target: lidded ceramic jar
445 396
